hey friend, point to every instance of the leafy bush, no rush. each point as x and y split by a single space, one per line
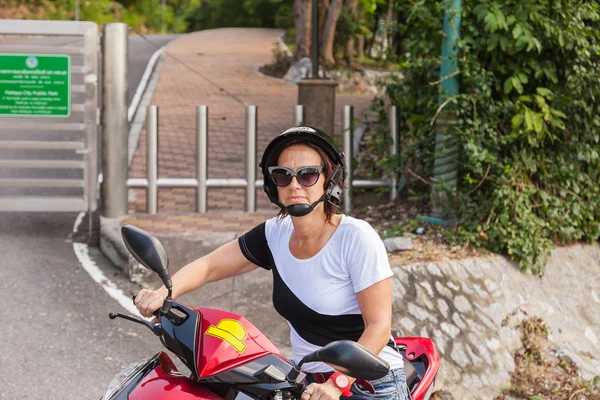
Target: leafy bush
528 120
247 13
141 15
281 64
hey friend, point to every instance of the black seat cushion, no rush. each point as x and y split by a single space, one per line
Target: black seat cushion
411 374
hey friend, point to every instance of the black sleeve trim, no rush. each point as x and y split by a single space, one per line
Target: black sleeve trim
255 248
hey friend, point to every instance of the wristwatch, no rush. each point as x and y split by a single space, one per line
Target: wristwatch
343 383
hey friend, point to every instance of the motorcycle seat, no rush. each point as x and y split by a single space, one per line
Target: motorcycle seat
411 373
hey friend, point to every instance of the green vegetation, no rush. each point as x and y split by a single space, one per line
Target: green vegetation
246 13
528 121
147 15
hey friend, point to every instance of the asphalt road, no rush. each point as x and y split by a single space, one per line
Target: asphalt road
57 341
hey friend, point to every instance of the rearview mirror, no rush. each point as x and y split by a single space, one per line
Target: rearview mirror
148 250
350 358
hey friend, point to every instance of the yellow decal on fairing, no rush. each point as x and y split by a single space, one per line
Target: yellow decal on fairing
231 331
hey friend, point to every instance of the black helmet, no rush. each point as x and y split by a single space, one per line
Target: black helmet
333 192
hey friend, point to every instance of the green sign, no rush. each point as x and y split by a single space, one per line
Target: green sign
35 85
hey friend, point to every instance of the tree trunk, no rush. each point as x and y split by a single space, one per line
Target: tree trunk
303 24
386 25
350 44
323 9
360 46
329 31
360 40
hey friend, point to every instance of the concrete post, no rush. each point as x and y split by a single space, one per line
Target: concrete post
251 125
318 98
299 115
394 150
152 159
114 120
201 157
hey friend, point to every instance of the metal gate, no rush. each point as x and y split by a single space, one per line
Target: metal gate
48 115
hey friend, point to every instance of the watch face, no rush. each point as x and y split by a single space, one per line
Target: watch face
342 381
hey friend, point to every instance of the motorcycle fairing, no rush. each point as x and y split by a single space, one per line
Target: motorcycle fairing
258 378
153 383
226 341
156 384
180 335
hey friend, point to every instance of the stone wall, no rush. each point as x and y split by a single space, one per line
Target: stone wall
349 82
461 305
367 81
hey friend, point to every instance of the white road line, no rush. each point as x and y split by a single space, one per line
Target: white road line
143 83
89 265
78 222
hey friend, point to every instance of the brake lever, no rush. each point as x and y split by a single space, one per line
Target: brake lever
155 328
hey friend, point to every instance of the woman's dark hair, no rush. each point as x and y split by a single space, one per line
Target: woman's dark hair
328 166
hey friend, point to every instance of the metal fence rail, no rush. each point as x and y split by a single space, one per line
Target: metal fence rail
201 182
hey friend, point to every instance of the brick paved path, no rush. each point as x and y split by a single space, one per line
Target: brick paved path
226 57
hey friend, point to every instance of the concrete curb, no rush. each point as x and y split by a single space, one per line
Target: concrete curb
139 120
256 70
181 248
113 247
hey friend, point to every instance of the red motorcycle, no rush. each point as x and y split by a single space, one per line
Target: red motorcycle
228 358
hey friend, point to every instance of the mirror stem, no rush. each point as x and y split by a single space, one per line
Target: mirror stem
167 303
294 373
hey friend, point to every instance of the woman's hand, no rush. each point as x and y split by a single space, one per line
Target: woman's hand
148 301
321 391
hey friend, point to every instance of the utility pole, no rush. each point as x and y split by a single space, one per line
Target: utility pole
164 16
317 94
315 39
445 163
76 10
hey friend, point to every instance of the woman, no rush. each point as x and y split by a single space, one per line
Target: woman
331 275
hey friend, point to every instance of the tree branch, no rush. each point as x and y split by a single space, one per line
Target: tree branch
440 108
481 181
444 78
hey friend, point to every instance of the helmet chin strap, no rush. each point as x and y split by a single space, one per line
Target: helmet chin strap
298 210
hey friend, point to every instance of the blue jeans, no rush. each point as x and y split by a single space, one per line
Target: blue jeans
390 387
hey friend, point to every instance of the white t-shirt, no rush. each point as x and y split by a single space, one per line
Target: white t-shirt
353 259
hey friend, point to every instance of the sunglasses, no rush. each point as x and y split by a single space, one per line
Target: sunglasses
306 176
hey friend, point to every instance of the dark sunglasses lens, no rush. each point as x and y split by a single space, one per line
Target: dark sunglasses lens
308 176
281 177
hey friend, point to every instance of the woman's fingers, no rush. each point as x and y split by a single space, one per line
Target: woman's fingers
148 301
148 306
138 297
308 391
319 391
305 395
